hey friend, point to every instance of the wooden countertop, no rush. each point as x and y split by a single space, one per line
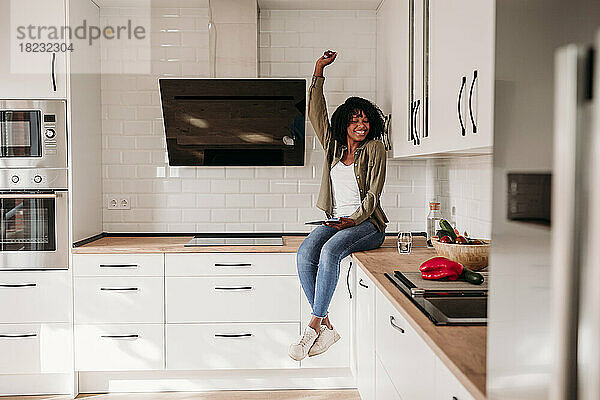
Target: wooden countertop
175 244
461 348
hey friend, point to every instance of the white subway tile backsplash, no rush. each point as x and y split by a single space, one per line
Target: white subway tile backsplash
254 215
210 200
214 199
268 200
225 215
237 200
196 215
297 200
186 200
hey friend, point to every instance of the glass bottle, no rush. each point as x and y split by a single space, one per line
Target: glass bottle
433 221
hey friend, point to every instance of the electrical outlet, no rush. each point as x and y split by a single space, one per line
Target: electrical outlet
124 203
113 203
119 203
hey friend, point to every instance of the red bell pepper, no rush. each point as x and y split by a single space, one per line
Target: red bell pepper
440 268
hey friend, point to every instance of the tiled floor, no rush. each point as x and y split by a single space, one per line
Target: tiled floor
221 395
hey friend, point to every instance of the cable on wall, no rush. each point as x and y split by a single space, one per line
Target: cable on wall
212 43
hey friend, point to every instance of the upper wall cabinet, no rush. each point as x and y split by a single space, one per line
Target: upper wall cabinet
33 65
446 63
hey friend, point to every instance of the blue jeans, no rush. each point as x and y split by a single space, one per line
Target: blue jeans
319 257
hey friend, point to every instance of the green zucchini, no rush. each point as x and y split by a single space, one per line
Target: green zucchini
441 233
472 277
445 225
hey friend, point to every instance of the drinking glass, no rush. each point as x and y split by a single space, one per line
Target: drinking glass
404 242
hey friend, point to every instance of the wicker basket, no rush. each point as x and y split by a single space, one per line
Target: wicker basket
472 256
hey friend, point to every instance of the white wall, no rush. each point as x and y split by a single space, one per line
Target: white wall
466 184
204 199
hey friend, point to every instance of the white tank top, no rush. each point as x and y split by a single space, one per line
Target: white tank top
346 196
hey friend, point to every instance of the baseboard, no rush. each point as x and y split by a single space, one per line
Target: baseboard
36 384
195 381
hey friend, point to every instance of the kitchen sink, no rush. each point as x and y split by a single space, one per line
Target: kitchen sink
444 302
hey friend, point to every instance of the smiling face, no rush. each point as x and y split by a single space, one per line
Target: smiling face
358 126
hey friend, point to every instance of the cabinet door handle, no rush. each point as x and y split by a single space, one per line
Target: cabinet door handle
348 280
123 289
233 288
233 265
417 141
471 101
120 336
394 325
19 285
361 283
462 125
17 335
233 335
119 266
454 398
54 72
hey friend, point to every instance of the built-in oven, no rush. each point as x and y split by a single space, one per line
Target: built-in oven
33 134
33 219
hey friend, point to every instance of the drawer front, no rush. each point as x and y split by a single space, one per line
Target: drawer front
230 346
406 357
118 264
119 347
208 264
118 300
233 299
35 348
35 297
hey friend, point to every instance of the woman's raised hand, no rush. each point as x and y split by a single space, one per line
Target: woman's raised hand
327 58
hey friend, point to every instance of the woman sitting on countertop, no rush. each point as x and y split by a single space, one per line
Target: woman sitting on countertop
353 178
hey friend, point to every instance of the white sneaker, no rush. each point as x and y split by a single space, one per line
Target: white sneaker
299 350
326 338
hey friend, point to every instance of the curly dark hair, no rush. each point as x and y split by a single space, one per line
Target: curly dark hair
352 106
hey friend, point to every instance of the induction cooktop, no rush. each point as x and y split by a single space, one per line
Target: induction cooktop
235 241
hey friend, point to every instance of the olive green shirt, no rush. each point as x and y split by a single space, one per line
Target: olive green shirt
369 163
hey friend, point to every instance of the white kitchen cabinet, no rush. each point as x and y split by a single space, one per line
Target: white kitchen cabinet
35 348
365 335
435 63
118 264
447 387
393 70
119 347
230 346
122 299
119 312
234 299
214 264
407 358
338 355
35 296
32 74
384 388
461 87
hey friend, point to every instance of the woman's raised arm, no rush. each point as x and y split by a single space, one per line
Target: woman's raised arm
317 107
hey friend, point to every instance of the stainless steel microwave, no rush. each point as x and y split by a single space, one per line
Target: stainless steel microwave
33 134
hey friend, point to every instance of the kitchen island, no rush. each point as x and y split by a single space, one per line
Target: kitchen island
462 349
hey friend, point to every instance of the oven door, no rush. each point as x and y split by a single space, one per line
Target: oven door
34 230
33 134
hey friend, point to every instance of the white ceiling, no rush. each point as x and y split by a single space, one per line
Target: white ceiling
262 4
